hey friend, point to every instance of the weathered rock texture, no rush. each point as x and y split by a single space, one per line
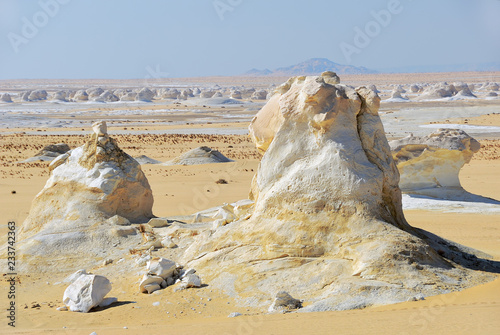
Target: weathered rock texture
433 161
328 225
87 186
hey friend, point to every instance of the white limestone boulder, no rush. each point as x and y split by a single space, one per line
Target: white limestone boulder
86 292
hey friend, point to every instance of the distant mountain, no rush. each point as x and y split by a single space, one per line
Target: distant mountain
257 72
492 66
313 66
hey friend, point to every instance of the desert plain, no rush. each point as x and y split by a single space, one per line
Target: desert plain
163 129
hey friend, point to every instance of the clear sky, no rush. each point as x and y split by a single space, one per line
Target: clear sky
184 38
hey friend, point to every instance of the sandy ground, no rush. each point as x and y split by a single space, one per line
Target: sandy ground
182 190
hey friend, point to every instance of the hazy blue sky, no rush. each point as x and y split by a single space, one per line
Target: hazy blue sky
133 39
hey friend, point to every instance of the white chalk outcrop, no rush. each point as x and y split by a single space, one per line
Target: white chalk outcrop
200 155
428 164
87 186
86 292
328 224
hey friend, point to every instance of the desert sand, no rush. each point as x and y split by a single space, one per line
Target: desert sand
182 190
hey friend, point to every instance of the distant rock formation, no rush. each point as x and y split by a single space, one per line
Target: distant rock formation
145 94
49 153
128 96
38 95
60 95
396 96
428 164
313 66
414 88
87 186
201 155
169 93
259 95
143 159
235 94
6 97
328 225
81 95
108 96
207 94
94 92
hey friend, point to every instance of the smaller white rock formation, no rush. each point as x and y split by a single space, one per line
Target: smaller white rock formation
207 94
6 97
259 95
86 187
201 155
86 292
397 97
108 96
38 95
60 95
24 96
169 93
143 159
284 302
430 163
49 153
128 96
94 92
414 88
145 94
161 267
81 95
217 94
235 95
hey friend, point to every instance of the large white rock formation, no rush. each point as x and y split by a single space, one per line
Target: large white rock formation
428 164
87 186
328 226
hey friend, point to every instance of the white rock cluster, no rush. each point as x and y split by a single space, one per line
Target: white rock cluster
163 272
